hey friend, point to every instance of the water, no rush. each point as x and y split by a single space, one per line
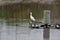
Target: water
20 32
54 34
23 32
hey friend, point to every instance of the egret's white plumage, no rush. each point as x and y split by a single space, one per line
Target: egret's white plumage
31 17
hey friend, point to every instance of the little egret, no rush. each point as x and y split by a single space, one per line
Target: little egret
31 17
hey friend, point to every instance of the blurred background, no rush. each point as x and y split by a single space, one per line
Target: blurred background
19 10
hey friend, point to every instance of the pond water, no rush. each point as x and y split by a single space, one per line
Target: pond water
23 32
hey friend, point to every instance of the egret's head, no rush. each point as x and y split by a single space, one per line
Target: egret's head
30 13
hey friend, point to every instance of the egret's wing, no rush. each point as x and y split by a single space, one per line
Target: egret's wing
32 18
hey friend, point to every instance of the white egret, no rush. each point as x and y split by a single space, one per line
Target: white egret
31 17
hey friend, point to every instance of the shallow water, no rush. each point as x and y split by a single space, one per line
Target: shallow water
23 32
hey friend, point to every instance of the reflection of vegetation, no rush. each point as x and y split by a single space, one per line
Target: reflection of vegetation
21 11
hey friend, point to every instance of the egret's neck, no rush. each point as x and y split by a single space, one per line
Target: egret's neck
30 14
